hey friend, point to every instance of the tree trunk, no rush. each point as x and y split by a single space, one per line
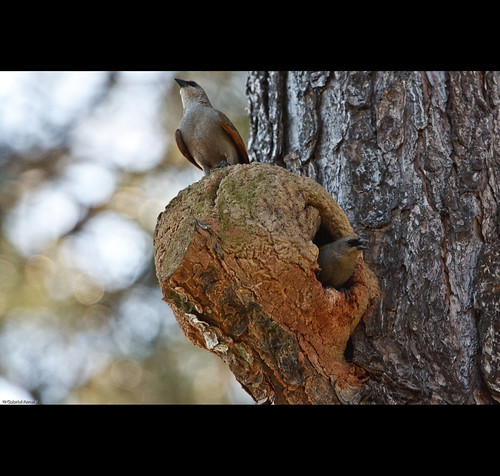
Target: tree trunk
413 160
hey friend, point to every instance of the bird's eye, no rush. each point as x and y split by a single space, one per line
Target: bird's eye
353 242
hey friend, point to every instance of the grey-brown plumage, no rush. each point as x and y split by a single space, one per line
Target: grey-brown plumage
337 260
206 137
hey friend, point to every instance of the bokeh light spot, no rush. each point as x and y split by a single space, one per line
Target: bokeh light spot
87 290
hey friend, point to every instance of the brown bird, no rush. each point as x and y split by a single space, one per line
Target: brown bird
337 260
206 137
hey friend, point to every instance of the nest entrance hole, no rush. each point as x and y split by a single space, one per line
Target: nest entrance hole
322 237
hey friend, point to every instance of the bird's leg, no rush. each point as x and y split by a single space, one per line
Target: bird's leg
220 165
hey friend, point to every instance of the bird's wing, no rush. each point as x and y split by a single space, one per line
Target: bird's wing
184 150
228 126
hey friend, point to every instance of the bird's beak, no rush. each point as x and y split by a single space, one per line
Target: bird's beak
181 82
360 245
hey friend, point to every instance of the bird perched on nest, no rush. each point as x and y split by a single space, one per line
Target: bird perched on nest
337 260
206 137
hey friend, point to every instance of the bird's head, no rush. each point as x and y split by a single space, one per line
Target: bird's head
192 93
352 245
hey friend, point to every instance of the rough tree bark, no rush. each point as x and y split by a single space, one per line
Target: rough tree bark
413 158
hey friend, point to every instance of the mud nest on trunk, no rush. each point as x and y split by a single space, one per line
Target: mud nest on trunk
236 257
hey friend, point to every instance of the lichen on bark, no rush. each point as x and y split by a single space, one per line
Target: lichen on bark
236 258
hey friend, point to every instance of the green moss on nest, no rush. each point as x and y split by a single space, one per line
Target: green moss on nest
194 202
235 199
181 302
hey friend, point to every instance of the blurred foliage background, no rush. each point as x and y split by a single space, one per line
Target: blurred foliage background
87 162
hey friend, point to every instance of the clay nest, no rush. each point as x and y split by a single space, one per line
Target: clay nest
236 257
